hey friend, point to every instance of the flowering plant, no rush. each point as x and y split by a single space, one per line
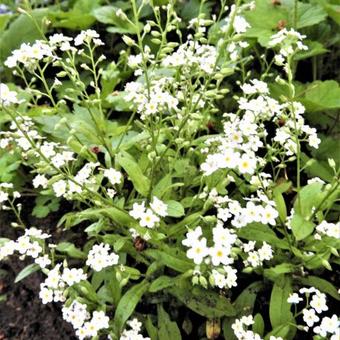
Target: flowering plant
189 166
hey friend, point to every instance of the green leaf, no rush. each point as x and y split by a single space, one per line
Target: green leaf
263 20
168 330
151 329
280 331
244 304
70 249
260 232
161 283
274 272
309 197
108 15
301 227
258 326
28 270
322 95
4 19
175 209
128 303
85 289
203 302
44 205
162 186
279 308
309 14
321 284
80 17
139 180
172 258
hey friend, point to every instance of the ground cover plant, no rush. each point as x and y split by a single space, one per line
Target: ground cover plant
172 168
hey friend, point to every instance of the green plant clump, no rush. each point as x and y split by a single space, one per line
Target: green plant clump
191 150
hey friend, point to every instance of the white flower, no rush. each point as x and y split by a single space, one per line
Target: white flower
247 164
198 251
99 257
59 188
40 180
218 279
268 215
309 317
254 259
46 295
7 97
100 320
294 298
7 249
231 276
148 219
43 261
240 24
328 325
137 211
223 236
85 36
114 176
72 276
192 237
265 252
318 302
219 254
159 207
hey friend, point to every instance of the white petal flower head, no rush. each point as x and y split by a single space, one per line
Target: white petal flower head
269 214
294 298
219 254
309 317
240 24
318 302
7 97
40 180
137 211
247 164
59 188
198 251
192 237
114 176
159 207
46 295
218 279
149 219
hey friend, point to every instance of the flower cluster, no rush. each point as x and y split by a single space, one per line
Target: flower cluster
219 254
316 304
149 217
236 149
29 56
328 229
134 332
53 288
191 56
100 257
256 257
240 329
30 244
289 42
154 100
86 326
